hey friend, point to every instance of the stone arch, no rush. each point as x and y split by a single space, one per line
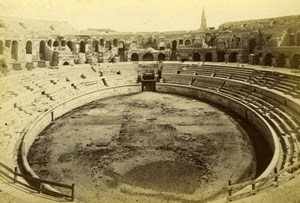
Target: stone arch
148 57
115 42
66 63
180 42
49 43
28 47
268 59
121 45
108 45
134 57
252 45
70 45
196 57
56 43
63 43
220 56
82 47
102 42
295 61
233 57
292 40
42 50
174 45
280 61
1 47
187 42
256 58
298 39
161 57
14 50
95 46
208 56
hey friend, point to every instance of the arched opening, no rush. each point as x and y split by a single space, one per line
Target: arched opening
66 63
102 42
82 47
233 57
196 57
220 56
28 47
108 45
252 45
121 45
148 57
208 56
63 43
174 45
292 40
14 50
187 42
183 60
256 59
295 61
180 41
70 45
95 46
281 60
268 59
298 39
115 42
49 43
56 43
161 57
42 50
1 47
121 50
134 57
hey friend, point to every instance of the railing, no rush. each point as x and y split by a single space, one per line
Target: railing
40 182
270 181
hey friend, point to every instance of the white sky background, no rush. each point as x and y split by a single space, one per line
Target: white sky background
147 15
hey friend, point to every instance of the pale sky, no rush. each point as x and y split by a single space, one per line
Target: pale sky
147 15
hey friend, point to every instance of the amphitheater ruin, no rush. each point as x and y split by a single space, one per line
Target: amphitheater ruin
207 115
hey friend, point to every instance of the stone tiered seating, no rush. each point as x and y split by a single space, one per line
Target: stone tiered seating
282 118
177 78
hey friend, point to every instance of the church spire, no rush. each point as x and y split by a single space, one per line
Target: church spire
203 20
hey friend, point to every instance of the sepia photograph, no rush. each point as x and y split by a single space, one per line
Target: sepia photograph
149 101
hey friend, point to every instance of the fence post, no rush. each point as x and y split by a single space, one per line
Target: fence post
15 174
253 185
229 190
40 188
72 194
276 177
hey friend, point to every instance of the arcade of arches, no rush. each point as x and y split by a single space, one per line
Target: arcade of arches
14 50
208 56
148 57
196 57
233 57
1 47
134 57
161 57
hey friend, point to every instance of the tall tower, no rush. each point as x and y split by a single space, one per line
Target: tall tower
203 20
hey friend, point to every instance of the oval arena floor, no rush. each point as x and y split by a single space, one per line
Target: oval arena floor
200 144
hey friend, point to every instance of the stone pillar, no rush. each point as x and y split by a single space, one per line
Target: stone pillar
214 57
226 57
241 58
274 62
287 63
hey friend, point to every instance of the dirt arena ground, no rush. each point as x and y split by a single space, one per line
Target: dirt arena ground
146 147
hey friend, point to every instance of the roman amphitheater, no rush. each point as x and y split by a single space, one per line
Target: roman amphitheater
207 115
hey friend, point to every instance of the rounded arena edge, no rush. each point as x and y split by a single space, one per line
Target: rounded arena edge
231 104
